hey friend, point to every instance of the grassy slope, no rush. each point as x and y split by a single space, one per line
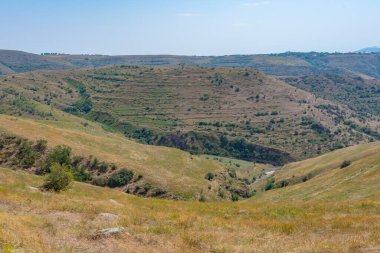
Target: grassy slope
46 222
360 180
171 169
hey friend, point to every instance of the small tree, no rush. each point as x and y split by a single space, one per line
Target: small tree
59 178
25 154
60 154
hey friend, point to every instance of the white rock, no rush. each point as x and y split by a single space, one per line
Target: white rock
111 231
109 215
33 189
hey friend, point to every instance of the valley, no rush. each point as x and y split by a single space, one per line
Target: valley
186 158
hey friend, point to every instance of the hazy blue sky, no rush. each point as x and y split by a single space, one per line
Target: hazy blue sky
191 27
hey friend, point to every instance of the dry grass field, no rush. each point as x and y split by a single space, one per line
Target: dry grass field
326 180
35 221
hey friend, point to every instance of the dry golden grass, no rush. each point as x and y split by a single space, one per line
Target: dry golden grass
328 181
34 221
171 169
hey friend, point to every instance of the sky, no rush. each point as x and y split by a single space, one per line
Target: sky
188 27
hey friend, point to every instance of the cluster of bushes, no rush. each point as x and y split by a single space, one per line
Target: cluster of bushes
272 184
117 179
59 164
28 152
365 130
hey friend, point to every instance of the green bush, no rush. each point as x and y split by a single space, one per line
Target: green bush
59 178
26 154
60 154
120 178
81 174
209 176
270 185
234 197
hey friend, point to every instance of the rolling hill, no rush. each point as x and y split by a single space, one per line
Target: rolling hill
12 61
238 113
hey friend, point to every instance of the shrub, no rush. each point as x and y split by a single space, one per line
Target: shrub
234 197
204 97
120 178
76 160
270 185
102 167
60 154
345 164
210 176
59 178
81 174
99 181
94 163
40 146
25 154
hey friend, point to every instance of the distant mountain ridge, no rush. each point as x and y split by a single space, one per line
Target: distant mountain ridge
369 50
285 64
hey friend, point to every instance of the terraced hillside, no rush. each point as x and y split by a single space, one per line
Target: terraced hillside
337 211
228 112
359 94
